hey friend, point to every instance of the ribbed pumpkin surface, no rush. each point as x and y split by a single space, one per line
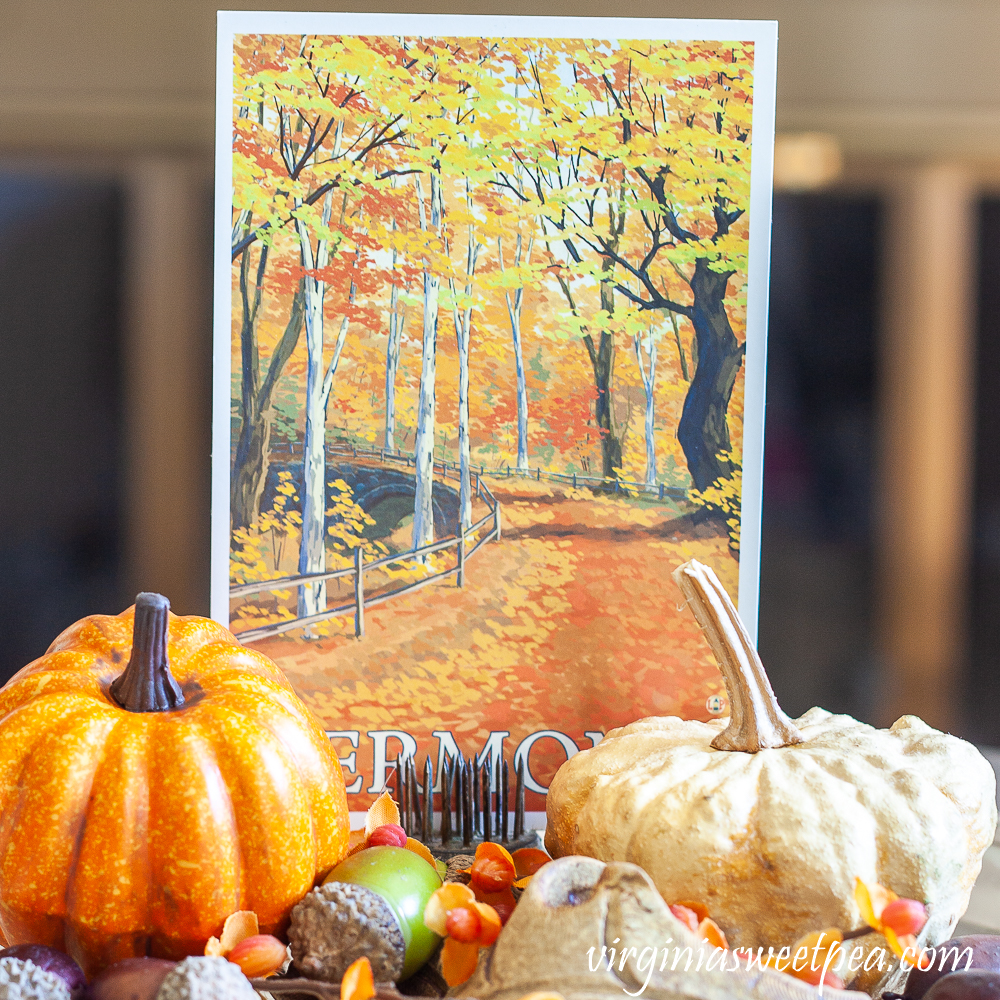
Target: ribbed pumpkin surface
126 833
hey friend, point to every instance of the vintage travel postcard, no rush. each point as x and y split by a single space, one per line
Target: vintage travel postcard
491 300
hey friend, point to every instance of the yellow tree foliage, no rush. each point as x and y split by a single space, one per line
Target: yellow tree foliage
621 169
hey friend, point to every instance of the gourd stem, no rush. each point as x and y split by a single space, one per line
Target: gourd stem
756 720
146 684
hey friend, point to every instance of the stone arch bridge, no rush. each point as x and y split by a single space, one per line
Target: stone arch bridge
383 492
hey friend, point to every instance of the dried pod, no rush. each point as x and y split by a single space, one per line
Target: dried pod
575 904
340 922
21 979
130 979
259 956
458 868
205 977
238 926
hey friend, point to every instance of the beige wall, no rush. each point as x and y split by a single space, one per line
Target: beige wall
913 78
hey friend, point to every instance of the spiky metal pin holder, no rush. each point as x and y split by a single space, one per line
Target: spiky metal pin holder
480 814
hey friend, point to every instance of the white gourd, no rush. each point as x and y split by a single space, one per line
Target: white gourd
766 821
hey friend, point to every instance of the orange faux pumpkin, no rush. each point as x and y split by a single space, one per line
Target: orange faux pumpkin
140 807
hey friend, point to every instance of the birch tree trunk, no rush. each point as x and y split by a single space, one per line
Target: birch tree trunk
514 312
392 359
338 349
463 329
464 456
649 385
345 322
423 507
312 551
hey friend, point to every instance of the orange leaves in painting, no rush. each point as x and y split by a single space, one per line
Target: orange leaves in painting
553 596
386 111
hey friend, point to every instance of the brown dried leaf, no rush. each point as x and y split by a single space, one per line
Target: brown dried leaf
213 947
238 926
357 840
383 810
421 851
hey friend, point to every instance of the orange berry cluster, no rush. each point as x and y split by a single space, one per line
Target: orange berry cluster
815 957
466 924
469 917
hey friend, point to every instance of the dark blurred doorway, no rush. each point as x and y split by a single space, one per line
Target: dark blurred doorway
983 678
60 408
817 558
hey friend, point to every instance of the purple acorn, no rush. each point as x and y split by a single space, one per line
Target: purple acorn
50 960
131 979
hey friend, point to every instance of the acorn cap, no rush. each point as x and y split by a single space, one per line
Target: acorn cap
458 868
21 979
206 977
340 922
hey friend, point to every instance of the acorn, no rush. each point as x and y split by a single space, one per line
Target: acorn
21 979
339 922
372 904
205 977
51 960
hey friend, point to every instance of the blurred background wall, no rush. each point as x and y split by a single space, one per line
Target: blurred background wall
881 540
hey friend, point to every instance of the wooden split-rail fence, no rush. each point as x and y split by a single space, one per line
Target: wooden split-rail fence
458 542
659 491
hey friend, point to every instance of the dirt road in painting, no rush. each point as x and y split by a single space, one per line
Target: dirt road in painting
573 614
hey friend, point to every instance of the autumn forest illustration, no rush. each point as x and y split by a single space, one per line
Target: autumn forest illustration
488 336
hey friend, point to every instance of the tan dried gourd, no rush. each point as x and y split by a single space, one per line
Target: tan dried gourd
768 821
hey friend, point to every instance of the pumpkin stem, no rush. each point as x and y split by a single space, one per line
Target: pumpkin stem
756 720
146 684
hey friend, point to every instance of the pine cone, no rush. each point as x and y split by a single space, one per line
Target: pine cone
339 922
21 979
204 977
